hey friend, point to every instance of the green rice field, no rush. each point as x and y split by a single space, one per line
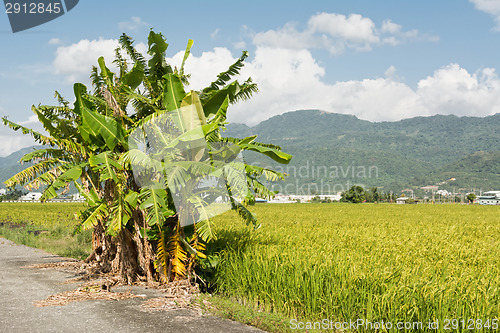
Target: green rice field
375 262
49 226
339 262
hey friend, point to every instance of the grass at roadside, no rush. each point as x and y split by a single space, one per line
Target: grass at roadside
232 309
48 226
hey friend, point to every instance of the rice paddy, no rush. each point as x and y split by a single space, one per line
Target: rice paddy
345 262
338 262
48 226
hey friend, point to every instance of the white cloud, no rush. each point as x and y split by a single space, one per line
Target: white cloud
491 7
214 33
287 80
32 120
204 69
134 24
54 41
336 32
453 90
76 60
390 72
390 27
393 34
354 29
292 79
240 45
286 37
12 141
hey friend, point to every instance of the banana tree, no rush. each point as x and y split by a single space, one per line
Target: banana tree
150 161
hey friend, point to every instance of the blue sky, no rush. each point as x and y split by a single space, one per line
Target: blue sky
378 60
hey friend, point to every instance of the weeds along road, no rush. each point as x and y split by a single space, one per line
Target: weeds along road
21 286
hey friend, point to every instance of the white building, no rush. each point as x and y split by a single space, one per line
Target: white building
3 191
444 193
489 198
292 198
77 197
32 196
401 200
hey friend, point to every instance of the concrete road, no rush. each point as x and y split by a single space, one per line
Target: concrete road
19 287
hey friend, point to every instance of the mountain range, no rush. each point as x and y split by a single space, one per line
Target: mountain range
10 165
332 152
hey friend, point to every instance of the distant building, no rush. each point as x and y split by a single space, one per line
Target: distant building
401 201
3 191
489 198
292 198
32 196
77 197
444 193
406 200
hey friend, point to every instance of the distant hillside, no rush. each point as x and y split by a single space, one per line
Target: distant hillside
331 152
481 169
408 153
10 165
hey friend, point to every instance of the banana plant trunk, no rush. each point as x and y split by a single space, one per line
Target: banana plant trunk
126 255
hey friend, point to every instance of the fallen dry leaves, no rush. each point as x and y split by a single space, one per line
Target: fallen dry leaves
83 294
177 294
